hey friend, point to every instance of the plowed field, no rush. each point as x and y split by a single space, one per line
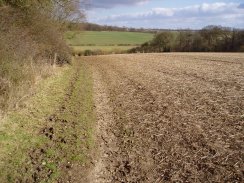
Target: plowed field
169 117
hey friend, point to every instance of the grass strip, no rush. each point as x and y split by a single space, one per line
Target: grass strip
52 132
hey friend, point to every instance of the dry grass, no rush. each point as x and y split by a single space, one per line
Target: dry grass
17 81
101 50
27 47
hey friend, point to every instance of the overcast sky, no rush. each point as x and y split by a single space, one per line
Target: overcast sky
193 14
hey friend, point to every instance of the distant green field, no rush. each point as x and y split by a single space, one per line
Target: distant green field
106 38
107 41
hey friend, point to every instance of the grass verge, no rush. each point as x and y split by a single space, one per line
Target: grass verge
101 50
52 132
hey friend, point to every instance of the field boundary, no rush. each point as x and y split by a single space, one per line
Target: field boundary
54 134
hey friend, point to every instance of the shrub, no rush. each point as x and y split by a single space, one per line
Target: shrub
31 36
88 53
98 52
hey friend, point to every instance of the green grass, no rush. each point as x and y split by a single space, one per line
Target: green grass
106 38
78 49
20 131
105 41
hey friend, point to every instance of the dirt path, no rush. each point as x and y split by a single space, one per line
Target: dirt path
169 117
104 137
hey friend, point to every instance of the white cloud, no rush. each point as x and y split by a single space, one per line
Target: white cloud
214 7
110 4
163 11
227 14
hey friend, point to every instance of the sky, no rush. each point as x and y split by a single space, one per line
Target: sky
173 14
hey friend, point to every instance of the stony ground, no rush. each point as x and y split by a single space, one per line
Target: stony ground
169 117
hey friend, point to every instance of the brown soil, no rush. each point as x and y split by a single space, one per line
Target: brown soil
169 117
104 136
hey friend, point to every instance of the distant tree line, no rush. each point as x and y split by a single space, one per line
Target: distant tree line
96 27
208 39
